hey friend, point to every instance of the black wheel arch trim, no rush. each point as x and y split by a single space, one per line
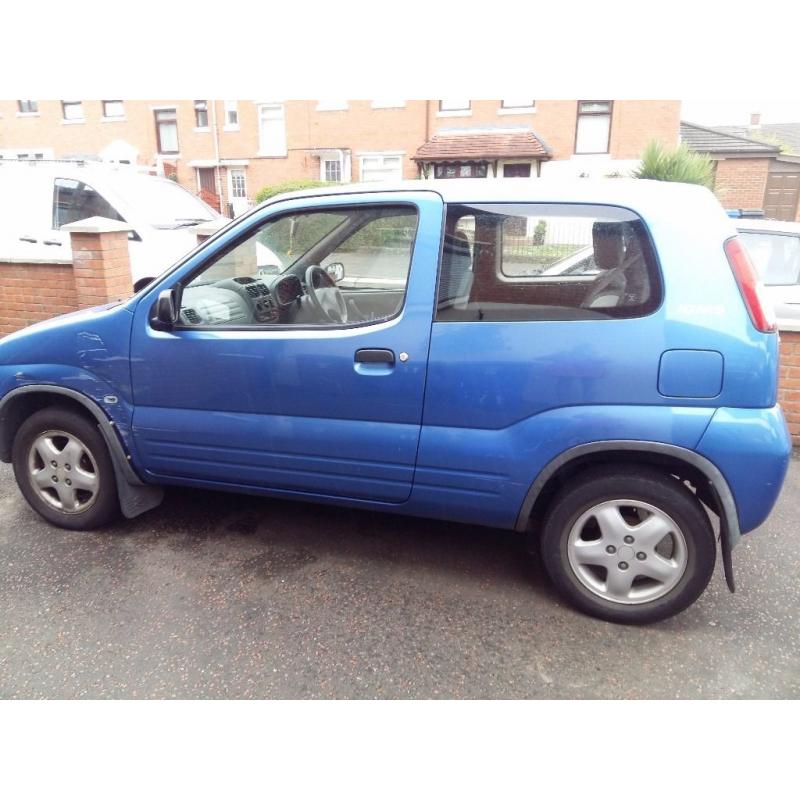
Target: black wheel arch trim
729 518
135 495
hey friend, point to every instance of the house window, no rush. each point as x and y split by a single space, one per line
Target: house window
231 114
517 103
517 170
378 167
72 110
271 130
594 126
333 170
167 130
455 105
461 169
28 106
113 109
331 105
201 113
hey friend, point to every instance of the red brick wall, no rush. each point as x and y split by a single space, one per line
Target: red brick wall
34 292
741 182
789 387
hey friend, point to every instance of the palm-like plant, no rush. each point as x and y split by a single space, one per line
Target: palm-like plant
680 164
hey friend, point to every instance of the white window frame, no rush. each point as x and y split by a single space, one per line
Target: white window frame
202 128
331 105
231 105
530 108
388 104
72 120
383 155
454 112
584 115
119 117
264 149
28 113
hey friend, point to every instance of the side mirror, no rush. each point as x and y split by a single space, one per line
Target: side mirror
335 270
165 312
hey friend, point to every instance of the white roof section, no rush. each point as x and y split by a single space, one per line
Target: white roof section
771 225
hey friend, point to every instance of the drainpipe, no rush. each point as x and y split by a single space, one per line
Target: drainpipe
217 179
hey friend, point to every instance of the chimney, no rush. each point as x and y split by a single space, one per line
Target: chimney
755 121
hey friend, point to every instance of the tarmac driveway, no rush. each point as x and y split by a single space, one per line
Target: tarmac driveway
225 596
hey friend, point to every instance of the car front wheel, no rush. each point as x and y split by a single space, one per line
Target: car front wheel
63 469
633 546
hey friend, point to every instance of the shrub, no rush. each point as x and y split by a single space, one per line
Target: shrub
287 186
680 164
539 232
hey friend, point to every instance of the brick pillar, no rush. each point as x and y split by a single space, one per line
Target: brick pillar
100 260
789 385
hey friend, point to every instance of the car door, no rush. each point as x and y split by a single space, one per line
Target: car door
331 409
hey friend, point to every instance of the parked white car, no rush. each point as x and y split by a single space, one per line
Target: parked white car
774 247
36 199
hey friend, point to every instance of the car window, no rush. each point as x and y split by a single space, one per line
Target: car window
74 200
333 267
776 256
538 261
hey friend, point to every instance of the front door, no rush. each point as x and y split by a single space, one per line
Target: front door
237 191
268 385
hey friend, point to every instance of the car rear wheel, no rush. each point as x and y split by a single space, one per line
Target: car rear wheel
64 471
632 546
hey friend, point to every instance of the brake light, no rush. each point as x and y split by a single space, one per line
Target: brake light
750 286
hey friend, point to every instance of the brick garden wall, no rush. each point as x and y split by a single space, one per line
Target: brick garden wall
33 292
789 387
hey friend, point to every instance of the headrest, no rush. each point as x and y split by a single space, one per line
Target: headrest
609 244
457 243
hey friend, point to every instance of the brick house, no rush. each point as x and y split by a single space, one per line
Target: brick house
748 173
226 150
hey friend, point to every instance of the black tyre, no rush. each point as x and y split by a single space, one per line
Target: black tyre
632 546
63 469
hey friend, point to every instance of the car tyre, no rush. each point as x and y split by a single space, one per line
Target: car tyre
64 470
629 546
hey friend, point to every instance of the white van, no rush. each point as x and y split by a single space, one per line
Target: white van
36 199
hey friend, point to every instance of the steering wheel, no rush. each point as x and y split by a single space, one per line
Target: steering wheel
325 295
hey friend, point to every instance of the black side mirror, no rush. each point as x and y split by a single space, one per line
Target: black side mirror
165 313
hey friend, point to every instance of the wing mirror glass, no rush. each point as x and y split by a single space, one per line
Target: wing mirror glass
335 270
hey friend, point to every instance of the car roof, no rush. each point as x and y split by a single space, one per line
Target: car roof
768 225
477 190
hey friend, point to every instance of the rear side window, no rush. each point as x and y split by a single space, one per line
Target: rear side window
503 262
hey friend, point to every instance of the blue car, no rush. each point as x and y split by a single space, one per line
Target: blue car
411 348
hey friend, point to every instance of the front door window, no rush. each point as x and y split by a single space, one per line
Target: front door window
340 266
238 191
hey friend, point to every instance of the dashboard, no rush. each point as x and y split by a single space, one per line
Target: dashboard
243 300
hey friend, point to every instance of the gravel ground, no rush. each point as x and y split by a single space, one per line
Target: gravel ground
225 596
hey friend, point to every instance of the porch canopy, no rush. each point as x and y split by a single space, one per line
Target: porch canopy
479 148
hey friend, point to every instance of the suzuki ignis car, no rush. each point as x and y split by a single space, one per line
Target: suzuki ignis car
414 348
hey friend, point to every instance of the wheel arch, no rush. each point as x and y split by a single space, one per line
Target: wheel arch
135 496
708 481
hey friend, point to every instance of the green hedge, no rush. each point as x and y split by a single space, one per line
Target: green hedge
287 186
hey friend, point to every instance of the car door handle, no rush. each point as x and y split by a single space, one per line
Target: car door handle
374 356
51 242
28 239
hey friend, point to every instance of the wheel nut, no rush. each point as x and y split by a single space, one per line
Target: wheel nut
68 482
611 549
67 467
629 539
55 479
641 556
53 464
623 565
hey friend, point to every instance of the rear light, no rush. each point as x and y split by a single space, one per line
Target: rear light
750 286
